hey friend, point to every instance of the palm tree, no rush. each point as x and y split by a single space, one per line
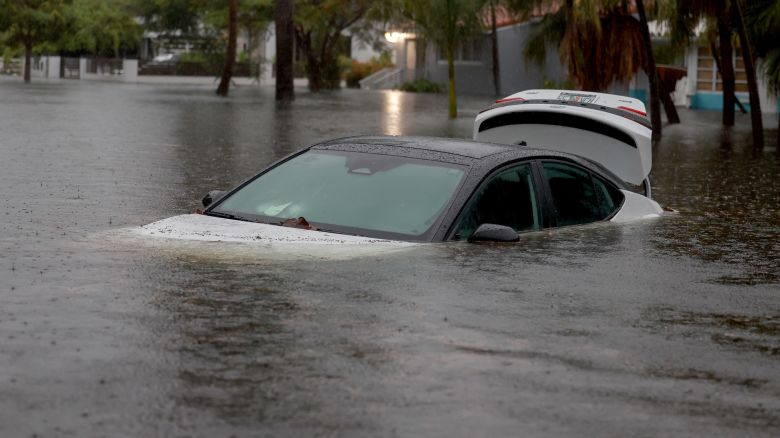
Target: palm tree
230 59
652 72
447 23
689 14
600 43
285 35
750 71
28 23
493 4
763 24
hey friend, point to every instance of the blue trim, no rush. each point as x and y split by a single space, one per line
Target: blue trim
714 101
637 93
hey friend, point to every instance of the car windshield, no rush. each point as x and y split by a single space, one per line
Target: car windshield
352 192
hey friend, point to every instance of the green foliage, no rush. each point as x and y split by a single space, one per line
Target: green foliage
669 54
421 85
102 27
196 57
599 41
31 22
555 85
170 15
547 33
763 22
204 20
251 14
447 23
319 27
355 70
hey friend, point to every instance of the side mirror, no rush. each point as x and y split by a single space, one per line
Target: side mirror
212 196
494 233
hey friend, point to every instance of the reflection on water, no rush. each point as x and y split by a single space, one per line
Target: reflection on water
659 327
392 113
728 198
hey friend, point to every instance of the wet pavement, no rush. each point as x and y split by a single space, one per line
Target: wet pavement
666 327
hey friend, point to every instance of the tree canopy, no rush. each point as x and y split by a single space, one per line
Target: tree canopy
105 27
31 23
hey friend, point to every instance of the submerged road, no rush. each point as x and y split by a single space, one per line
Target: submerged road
669 327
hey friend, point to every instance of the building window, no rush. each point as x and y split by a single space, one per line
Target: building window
708 77
469 52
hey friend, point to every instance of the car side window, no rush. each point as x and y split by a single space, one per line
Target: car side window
574 196
507 198
610 197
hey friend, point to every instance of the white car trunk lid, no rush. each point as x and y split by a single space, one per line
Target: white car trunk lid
605 128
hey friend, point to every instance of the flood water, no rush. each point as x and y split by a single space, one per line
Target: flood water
667 327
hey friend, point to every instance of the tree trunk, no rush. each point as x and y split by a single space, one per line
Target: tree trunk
314 73
716 57
27 60
230 58
750 71
285 90
652 73
494 39
453 98
671 112
726 62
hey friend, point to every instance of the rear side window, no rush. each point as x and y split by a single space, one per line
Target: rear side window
575 195
610 197
506 198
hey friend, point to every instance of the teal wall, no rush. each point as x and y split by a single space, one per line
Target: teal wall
638 94
714 101
701 100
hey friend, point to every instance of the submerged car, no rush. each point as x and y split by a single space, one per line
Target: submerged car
540 159
418 189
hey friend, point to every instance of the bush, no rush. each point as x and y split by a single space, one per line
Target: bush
354 70
422 85
194 57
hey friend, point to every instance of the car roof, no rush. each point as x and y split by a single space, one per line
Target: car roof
445 146
457 151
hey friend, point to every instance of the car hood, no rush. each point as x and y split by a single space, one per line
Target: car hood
214 229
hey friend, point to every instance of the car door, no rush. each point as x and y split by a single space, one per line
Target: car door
508 196
576 196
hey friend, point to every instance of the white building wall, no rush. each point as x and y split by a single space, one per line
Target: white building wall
268 75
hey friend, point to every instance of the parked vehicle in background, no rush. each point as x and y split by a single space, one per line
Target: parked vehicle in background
165 59
611 130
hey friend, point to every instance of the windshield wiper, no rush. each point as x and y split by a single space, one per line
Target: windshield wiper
228 216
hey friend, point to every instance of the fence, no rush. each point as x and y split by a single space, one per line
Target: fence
69 68
241 69
105 66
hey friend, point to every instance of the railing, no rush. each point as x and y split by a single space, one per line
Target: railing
240 69
386 78
12 67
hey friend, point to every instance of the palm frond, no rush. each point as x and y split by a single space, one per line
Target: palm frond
548 32
770 68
